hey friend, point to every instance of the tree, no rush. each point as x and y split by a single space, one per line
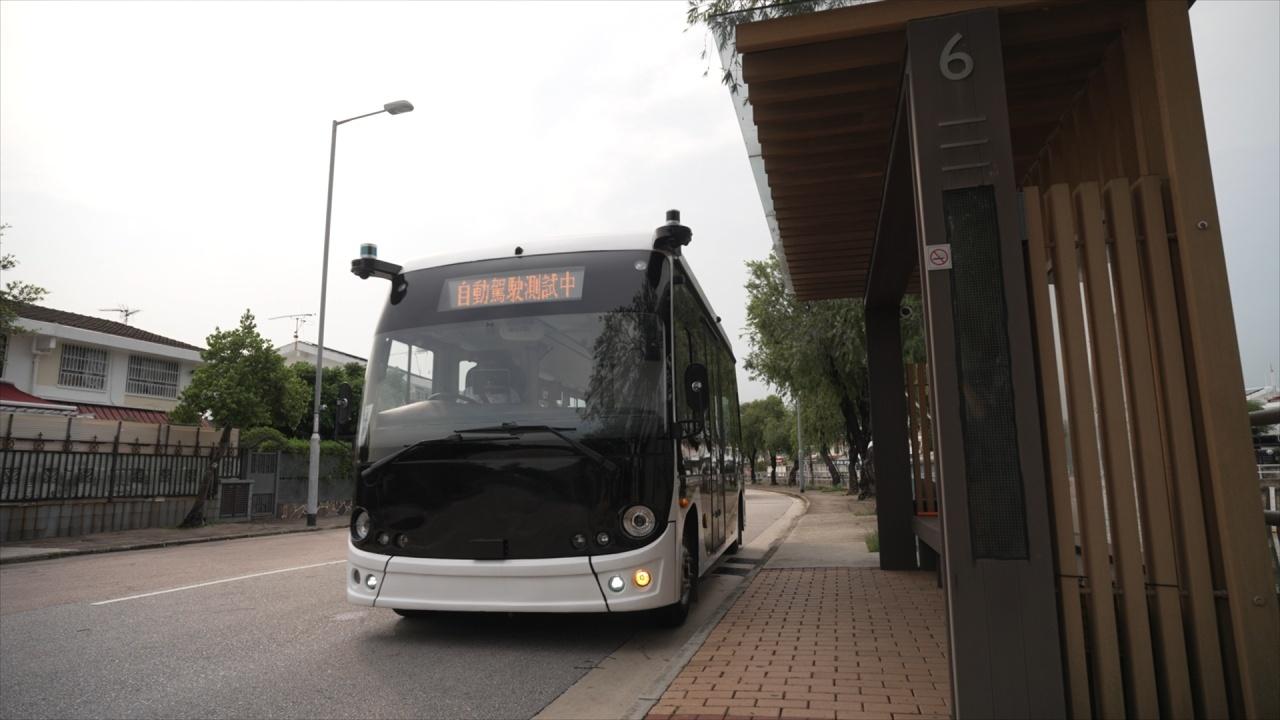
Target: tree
330 379
779 438
823 428
756 416
243 383
816 350
14 293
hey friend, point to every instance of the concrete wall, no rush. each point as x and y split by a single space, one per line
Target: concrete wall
31 521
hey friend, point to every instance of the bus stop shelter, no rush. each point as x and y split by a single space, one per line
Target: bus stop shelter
1037 171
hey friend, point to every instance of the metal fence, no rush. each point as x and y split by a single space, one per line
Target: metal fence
30 475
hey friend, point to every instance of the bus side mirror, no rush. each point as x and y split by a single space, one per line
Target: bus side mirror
344 408
696 389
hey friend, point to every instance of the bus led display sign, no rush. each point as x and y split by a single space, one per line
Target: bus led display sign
515 288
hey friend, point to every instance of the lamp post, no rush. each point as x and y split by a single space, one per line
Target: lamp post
313 471
800 454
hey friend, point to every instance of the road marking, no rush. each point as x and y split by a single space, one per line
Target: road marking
218 582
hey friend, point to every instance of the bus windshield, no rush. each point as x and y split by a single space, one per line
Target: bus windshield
594 374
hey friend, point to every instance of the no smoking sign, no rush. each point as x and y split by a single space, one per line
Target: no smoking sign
938 257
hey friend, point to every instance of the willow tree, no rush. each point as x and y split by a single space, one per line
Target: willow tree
756 417
242 383
816 351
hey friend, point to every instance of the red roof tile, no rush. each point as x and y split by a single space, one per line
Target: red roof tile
10 393
114 412
85 322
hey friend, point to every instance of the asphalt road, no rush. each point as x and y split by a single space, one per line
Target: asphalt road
261 628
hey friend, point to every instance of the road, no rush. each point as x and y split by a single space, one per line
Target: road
261 628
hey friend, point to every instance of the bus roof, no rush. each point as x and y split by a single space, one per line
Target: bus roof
543 246
550 246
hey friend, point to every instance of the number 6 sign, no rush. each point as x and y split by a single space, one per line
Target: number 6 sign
950 55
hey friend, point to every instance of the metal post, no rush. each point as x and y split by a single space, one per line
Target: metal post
799 446
313 470
894 511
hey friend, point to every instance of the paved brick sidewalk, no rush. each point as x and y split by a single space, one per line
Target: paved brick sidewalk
821 642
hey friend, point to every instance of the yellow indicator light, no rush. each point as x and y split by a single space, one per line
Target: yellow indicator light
642 578
684 502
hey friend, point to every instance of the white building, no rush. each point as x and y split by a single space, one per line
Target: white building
303 351
104 369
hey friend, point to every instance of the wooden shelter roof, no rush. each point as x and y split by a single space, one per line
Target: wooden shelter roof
823 93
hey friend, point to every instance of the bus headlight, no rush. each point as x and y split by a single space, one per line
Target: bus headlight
638 521
360 524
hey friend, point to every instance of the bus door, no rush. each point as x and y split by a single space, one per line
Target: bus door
716 431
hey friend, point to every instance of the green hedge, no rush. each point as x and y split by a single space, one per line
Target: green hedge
267 439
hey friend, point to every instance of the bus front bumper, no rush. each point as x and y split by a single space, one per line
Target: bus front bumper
577 584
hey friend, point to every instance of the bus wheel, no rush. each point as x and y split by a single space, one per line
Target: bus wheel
675 614
411 614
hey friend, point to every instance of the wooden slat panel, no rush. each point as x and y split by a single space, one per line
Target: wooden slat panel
1118 98
823 201
1149 457
1073 633
822 57
1049 24
799 224
846 239
863 79
857 21
1139 667
1193 553
841 104
1210 328
1099 102
798 189
849 164
1143 107
1108 684
825 128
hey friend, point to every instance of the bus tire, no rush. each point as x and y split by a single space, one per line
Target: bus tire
676 613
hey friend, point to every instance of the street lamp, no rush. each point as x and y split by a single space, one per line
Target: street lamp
313 471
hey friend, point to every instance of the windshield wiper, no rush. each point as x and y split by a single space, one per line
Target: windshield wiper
515 430
382 462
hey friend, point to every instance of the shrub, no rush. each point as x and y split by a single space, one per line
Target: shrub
262 439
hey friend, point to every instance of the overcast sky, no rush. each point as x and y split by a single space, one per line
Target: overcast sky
172 157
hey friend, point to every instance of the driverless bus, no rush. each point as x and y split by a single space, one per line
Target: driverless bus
546 428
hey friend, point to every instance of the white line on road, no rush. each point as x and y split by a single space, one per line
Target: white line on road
218 582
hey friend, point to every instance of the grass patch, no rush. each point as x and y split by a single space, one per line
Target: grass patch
873 541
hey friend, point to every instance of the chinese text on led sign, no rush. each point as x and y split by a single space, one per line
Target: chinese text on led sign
513 288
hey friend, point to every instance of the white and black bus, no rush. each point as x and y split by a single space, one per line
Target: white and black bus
548 428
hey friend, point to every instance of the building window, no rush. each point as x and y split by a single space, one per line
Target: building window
152 376
83 367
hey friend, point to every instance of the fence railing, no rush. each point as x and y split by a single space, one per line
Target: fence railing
32 475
